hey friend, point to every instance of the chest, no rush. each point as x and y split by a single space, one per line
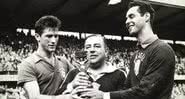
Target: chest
46 71
108 83
140 63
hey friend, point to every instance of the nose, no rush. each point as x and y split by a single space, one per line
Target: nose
54 39
92 50
127 22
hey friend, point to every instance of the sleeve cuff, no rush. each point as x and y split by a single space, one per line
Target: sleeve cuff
106 95
69 89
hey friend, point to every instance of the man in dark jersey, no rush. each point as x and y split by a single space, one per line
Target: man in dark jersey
42 73
101 73
151 74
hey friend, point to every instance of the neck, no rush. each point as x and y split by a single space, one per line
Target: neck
99 68
145 33
44 53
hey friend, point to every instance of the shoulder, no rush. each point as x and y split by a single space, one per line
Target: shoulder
162 45
121 72
28 65
118 73
29 61
163 48
32 59
162 52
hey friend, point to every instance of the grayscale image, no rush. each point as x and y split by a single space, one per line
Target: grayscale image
92 49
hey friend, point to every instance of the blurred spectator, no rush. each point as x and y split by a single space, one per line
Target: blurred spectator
178 91
120 53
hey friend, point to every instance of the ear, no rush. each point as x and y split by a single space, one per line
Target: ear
147 16
37 37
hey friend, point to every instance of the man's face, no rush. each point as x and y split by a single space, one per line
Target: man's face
96 51
134 21
48 39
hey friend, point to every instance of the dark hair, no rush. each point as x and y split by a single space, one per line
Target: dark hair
48 21
143 8
104 40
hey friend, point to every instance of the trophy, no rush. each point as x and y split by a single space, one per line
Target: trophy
83 65
81 60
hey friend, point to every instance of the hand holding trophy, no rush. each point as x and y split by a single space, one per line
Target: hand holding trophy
82 79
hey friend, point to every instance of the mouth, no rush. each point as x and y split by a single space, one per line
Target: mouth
130 27
93 56
52 46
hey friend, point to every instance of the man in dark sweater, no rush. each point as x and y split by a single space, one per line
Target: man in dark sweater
152 67
102 74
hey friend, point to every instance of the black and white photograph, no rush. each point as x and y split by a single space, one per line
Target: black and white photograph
92 49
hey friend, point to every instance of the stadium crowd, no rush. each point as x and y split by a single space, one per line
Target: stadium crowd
180 66
120 53
178 91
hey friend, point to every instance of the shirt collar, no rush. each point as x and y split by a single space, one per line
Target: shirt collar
38 57
147 42
108 69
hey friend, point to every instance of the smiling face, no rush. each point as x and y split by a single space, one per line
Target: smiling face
134 21
48 39
96 50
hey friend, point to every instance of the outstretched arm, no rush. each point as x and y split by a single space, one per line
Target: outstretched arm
33 92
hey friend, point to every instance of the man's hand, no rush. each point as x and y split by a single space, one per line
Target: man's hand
91 93
81 79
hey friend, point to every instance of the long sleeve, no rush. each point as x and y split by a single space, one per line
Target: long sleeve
157 80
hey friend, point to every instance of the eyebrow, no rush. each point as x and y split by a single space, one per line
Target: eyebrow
97 44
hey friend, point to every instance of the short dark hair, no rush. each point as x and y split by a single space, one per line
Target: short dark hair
143 8
104 40
47 21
